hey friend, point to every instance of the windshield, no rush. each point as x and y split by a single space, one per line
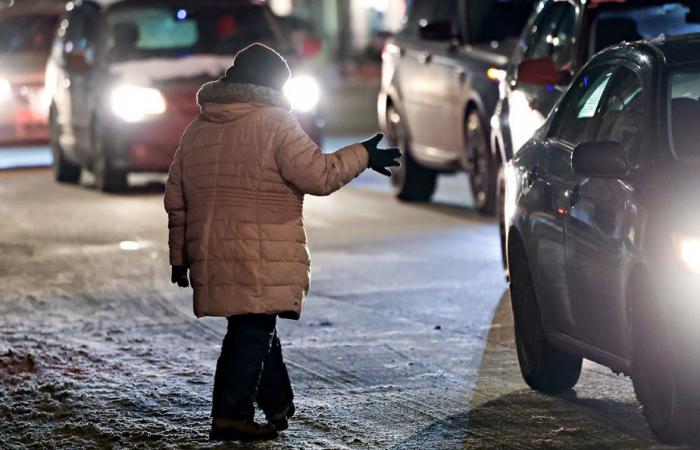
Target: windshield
496 20
32 33
610 27
147 32
684 111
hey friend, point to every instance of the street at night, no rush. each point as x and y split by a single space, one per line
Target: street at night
406 340
349 224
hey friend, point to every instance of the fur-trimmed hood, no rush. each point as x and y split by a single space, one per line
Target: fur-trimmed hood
224 92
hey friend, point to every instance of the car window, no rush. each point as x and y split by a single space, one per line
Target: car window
576 117
142 32
684 110
553 35
624 112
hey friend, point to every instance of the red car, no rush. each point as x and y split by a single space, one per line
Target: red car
26 33
123 77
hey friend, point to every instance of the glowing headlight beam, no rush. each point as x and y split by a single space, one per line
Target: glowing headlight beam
136 103
5 90
688 252
303 93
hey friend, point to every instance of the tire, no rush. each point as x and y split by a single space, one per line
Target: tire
671 414
412 182
64 171
483 164
107 177
500 213
543 367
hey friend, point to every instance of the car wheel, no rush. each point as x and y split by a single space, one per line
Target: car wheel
64 171
669 411
483 165
544 367
107 177
412 182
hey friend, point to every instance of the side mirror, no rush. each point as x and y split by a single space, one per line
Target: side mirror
604 159
76 62
542 72
437 31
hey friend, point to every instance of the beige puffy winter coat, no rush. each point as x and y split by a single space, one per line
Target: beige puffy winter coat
234 200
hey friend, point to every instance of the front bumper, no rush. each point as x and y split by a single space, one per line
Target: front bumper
150 146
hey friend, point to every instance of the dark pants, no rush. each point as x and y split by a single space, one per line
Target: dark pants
250 369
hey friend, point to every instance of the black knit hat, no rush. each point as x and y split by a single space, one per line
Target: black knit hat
258 64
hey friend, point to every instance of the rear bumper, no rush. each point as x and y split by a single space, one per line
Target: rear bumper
150 146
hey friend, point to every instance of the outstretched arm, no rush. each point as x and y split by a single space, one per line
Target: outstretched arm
310 170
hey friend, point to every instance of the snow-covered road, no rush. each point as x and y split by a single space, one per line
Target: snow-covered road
406 340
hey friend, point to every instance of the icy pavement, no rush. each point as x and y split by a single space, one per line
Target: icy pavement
406 340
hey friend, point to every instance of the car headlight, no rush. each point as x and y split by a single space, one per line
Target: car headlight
5 90
688 252
136 103
303 93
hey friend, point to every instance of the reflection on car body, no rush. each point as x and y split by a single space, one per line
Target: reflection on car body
603 249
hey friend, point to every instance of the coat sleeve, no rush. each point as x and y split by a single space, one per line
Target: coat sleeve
310 170
177 212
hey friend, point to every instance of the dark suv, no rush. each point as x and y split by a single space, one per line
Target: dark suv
123 76
558 40
440 86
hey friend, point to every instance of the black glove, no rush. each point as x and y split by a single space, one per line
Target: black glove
381 158
179 276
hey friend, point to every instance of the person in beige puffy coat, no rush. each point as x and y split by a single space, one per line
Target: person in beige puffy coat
234 199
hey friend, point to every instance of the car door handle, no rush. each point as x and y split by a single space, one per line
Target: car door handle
425 57
573 195
461 75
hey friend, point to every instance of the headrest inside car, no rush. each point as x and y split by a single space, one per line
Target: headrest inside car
126 34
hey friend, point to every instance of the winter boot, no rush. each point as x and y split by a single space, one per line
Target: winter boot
241 430
280 420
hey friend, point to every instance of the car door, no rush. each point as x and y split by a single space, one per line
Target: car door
441 110
551 35
596 224
429 78
83 77
573 123
412 71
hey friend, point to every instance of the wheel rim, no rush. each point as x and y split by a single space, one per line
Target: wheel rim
479 153
397 138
